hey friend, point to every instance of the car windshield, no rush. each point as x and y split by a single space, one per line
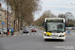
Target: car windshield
25 29
54 27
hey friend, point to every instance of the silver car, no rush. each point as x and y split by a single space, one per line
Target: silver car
4 31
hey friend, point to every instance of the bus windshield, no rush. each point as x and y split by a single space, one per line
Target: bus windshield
55 27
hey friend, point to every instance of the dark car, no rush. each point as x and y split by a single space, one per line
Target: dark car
33 30
21 28
26 30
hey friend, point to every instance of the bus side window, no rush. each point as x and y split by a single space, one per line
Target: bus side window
45 26
65 26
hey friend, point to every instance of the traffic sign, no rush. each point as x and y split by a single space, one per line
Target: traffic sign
2 23
68 32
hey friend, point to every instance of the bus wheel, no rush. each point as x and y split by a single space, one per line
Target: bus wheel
63 39
45 39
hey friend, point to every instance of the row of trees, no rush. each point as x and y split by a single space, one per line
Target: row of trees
69 19
23 10
47 14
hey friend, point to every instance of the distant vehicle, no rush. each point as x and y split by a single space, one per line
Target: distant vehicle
73 28
54 28
21 28
30 26
4 30
41 28
26 30
33 29
69 28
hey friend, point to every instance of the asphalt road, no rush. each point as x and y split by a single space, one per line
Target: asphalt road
35 41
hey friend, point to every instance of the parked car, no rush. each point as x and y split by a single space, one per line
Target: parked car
8 28
4 30
26 30
0 30
33 29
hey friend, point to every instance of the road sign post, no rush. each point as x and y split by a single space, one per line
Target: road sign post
2 27
68 32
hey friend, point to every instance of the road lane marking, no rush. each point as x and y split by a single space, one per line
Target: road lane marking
31 34
24 34
35 34
4 35
29 31
19 35
28 34
39 33
15 35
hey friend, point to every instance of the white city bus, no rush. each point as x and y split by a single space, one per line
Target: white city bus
54 28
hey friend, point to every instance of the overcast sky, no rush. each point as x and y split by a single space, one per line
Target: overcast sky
56 6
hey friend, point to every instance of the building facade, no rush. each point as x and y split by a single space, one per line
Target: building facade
3 17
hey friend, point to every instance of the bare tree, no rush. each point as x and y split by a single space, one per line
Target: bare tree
46 14
24 8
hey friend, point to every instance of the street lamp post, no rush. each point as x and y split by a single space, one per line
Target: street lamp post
7 17
73 3
18 23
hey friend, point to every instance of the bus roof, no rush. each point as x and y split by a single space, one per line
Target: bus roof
54 18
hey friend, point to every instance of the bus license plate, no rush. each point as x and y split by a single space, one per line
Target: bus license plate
53 37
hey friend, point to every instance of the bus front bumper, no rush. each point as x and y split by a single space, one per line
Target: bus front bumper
63 38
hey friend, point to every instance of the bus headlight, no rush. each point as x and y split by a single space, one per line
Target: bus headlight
64 34
44 34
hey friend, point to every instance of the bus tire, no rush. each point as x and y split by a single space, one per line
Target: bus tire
63 39
45 39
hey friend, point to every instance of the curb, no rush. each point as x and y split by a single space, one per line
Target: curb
16 33
68 34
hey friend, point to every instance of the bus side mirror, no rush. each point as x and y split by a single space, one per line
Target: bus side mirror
44 29
65 25
45 26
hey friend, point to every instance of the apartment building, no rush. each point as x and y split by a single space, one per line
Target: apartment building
3 17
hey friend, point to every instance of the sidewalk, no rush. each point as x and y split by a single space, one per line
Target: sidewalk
16 33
